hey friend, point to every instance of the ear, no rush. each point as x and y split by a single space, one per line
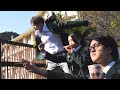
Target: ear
109 49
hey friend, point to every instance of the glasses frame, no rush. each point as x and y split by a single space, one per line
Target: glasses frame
95 46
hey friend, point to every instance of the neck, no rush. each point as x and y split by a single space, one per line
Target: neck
108 61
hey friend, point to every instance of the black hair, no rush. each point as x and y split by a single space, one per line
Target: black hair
108 41
37 20
76 36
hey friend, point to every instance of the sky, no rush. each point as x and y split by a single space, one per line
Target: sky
16 21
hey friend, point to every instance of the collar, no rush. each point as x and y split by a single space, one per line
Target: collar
45 28
77 48
105 70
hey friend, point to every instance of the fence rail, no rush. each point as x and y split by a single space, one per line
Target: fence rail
18 64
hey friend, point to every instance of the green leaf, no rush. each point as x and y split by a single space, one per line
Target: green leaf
113 23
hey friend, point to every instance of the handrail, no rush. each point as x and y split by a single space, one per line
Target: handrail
18 64
15 43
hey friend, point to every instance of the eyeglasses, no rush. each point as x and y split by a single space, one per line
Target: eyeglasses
94 47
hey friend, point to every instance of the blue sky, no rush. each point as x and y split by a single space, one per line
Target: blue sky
15 21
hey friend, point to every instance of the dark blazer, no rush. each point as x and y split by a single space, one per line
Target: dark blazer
62 75
60 27
81 57
69 58
64 57
76 74
114 71
74 62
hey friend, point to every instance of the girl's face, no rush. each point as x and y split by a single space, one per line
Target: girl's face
70 40
98 52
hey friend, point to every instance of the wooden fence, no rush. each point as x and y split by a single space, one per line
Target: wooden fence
11 66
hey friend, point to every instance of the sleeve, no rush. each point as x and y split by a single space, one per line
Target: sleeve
62 75
117 75
54 58
59 28
71 24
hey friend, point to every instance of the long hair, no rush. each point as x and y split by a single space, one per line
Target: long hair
76 36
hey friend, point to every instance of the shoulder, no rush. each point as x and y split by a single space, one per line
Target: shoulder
117 70
45 29
117 64
116 67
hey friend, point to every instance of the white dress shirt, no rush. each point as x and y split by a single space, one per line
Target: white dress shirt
52 41
105 70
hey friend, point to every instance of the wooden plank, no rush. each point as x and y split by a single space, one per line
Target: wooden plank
19 64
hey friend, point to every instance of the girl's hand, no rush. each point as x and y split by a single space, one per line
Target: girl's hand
29 65
41 47
68 48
